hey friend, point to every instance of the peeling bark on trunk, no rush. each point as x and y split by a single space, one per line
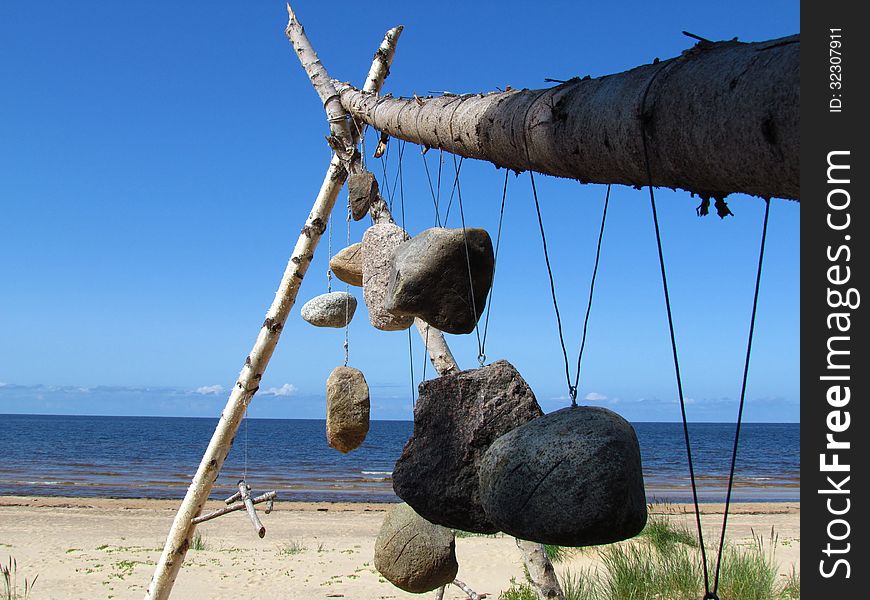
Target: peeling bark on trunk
540 570
721 118
178 540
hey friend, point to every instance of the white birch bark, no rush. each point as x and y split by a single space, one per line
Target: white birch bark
721 118
178 540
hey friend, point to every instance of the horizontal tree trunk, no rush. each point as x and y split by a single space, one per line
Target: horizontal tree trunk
721 118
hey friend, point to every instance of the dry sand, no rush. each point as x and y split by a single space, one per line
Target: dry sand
101 548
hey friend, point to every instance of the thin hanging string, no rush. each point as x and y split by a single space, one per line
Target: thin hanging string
742 392
676 363
425 353
400 177
457 170
571 390
245 472
347 298
329 257
482 357
591 293
431 188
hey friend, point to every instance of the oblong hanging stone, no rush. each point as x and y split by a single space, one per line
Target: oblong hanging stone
379 243
334 309
436 274
347 265
456 418
347 409
571 478
414 554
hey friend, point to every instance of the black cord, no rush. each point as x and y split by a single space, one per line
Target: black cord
742 392
468 263
591 292
482 356
572 391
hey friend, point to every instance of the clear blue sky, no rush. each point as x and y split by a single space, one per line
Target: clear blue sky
157 161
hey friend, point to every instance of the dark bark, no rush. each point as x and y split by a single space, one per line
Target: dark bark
720 118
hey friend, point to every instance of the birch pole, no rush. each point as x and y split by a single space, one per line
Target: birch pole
720 118
178 540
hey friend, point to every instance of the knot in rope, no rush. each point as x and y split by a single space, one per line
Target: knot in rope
481 359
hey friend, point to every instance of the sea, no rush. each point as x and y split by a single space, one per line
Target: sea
156 457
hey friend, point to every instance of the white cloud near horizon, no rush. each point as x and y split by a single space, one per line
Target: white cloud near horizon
595 396
207 390
288 389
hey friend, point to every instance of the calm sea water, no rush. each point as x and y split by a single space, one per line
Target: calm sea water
153 457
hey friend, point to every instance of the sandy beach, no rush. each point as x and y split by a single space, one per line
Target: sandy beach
106 548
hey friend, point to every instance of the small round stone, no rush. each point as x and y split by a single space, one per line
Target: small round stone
330 310
414 554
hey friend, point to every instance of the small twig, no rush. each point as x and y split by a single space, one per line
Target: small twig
471 593
267 497
245 489
234 498
697 37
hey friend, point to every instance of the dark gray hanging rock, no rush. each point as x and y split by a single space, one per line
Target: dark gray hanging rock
362 190
347 264
571 478
413 554
347 409
456 418
330 310
379 243
430 278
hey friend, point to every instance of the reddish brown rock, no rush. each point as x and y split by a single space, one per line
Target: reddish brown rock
347 409
379 243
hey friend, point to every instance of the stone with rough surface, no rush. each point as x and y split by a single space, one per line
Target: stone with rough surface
379 243
570 478
436 274
456 418
414 554
329 310
347 264
362 190
347 409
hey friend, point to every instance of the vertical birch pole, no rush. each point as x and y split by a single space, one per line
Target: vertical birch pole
178 540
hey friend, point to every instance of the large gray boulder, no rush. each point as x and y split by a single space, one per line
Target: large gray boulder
456 418
430 278
413 554
571 478
347 409
379 243
347 264
334 309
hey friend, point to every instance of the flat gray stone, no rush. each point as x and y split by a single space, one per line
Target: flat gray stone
430 278
329 310
413 554
362 190
571 478
456 418
379 243
347 409
347 265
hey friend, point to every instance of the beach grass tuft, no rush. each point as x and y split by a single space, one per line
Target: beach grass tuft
9 577
294 547
198 542
665 562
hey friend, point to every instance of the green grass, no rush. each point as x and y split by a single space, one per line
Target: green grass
9 577
293 547
558 553
664 562
198 542
467 534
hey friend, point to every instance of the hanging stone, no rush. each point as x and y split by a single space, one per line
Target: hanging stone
456 418
347 265
570 478
430 278
347 409
414 554
330 310
379 243
362 190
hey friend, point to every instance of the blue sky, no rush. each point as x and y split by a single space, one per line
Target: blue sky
158 159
